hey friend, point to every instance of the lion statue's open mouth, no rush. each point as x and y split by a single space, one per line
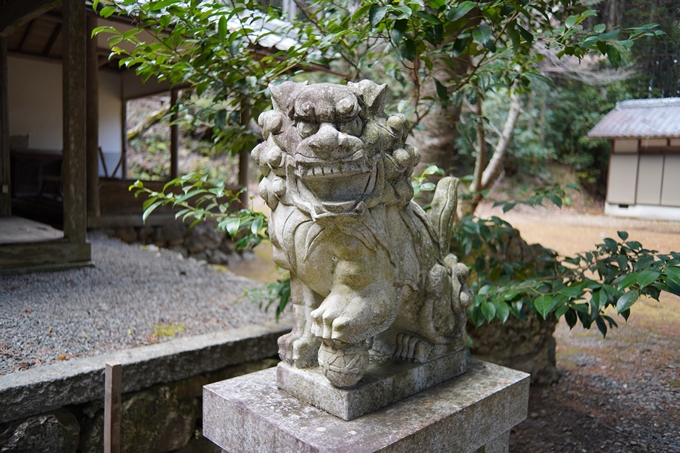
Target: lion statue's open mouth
337 186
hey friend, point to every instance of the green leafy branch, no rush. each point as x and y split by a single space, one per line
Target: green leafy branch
510 277
200 198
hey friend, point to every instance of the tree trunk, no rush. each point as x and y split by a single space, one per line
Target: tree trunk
495 165
437 139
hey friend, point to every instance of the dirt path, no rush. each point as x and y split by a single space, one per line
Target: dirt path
619 394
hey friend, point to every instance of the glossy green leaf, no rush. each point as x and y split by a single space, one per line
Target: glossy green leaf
502 311
627 281
647 277
488 310
482 33
441 90
376 14
231 226
460 10
627 300
543 304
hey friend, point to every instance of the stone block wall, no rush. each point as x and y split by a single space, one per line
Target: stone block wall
159 419
200 242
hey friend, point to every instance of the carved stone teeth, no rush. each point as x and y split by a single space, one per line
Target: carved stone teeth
317 171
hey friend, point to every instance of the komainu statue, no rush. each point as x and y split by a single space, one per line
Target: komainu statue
370 270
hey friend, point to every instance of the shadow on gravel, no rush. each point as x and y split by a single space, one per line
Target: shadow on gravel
620 394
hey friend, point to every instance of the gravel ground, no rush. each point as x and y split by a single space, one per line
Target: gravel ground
133 296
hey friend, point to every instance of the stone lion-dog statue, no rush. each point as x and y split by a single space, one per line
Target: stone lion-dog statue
369 268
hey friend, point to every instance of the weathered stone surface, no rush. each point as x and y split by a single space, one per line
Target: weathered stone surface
52 432
234 259
125 234
527 346
364 258
200 256
144 234
385 382
218 257
176 242
78 381
181 250
249 414
203 236
200 445
227 246
157 420
500 444
170 232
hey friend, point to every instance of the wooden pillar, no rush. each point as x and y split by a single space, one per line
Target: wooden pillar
112 406
123 139
75 157
244 158
92 114
5 197
174 137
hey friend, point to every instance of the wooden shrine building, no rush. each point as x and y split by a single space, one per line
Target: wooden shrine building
644 166
62 133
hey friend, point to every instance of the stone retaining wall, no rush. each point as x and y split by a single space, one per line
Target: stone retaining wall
200 242
59 408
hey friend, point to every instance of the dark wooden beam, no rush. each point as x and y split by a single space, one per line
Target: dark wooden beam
27 34
174 136
16 13
123 136
92 114
28 254
244 158
74 118
53 39
5 198
34 57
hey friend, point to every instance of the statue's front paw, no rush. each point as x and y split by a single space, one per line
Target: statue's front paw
328 317
353 316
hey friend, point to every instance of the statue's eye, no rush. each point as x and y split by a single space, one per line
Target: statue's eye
306 129
352 127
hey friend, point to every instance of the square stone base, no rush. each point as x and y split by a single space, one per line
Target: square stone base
470 414
383 384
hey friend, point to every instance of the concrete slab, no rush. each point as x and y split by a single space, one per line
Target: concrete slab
385 382
471 413
17 229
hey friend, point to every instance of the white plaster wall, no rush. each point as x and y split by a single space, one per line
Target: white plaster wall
35 108
34 89
110 122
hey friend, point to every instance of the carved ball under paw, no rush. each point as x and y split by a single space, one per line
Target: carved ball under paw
343 367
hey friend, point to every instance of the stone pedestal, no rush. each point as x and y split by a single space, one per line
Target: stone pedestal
472 413
385 382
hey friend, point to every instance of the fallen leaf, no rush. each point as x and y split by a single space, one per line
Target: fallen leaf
49 330
61 357
28 310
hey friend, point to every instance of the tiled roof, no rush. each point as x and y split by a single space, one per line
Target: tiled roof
641 118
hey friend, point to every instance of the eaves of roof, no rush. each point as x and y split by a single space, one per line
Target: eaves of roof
641 118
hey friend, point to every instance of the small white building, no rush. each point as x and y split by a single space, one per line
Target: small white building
644 167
